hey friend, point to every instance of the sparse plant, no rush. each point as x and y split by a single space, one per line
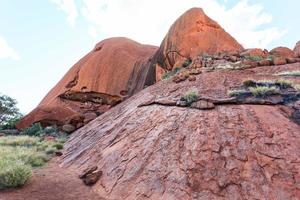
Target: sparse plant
249 83
263 91
289 73
19 141
35 130
50 150
270 58
168 75
255 58
190 97
236 93
13 174
58 146
186 63
283 84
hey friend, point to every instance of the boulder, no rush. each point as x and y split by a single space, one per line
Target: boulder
68 128
255 52
96 82
278 60
192 34
282 52
89 117
297 50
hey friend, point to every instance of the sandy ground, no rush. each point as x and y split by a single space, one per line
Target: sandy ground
51 183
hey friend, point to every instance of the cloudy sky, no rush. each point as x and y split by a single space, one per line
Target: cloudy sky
41 39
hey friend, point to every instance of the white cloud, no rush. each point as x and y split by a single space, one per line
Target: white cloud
6 51
69 7
148 21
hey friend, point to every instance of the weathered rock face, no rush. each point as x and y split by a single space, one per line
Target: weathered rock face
297 50
192 34
150 147
282 52
96 82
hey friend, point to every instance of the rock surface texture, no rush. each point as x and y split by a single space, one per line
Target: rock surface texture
297 50
150 147
192 34
95 83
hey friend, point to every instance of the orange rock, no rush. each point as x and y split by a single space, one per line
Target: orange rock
100 77
279 61
255 52
192 34
282 52
172 152
297 50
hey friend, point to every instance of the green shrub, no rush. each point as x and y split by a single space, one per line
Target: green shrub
190 97
236 93
34 130
50 150
255 58
263 91
13 174
168 75
187 63
283 84
19 141
270 58
289 73
249 83
58 146
29 156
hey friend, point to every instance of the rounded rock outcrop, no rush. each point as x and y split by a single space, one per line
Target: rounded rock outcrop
192 34
95 83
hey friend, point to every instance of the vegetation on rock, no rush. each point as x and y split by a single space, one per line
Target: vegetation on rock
190 97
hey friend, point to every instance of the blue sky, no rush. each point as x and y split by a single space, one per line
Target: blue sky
41 39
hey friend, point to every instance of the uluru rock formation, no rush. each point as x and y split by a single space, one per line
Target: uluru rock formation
95 83
223 126
192 34
152 147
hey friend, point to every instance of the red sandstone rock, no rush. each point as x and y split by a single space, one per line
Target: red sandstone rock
165 151
282 52
279 60
297 50
255 53
96 81
192 34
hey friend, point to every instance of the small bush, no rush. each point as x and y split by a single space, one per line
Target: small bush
187 63
13 174
289 73
249 83
50 150
34 130
255 58
19 141
190 97
29 156
168 75
236 93
270 58
283 84
263 91
58 146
